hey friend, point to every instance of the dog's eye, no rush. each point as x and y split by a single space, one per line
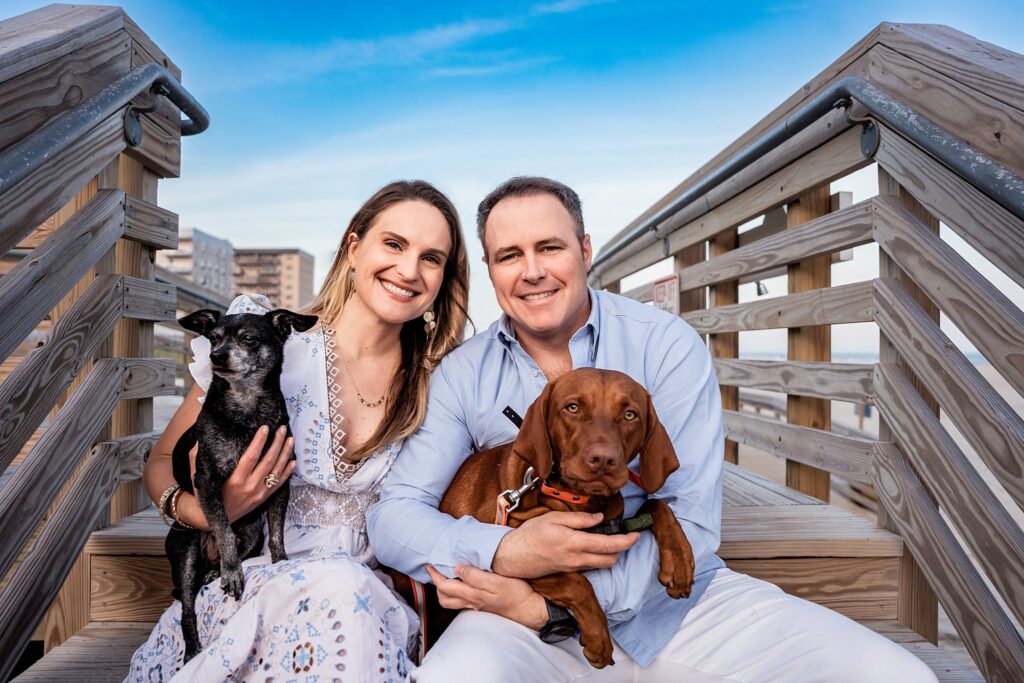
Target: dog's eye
573 407
248 338
630 415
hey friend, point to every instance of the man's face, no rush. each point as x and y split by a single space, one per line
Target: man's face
537 267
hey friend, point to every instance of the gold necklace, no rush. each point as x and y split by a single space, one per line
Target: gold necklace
359 394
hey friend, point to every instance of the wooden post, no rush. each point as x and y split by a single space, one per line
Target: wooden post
725 345
813 343
917 606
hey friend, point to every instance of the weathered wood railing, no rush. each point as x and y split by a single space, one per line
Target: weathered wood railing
76 411
966 543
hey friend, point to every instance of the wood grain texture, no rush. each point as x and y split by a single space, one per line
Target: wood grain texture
993 536
835 305
133 451
129 588
151 225
986 226
147 377
971 115
31 490
43 571
148 300
32 98
859 588
744 488
44 35
725 344
847 456
980 310
41 378
835 381
39 281
99 653
30 202
837 157
990 636
984 417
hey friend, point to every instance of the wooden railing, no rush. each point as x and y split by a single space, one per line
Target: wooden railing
76 410
966 544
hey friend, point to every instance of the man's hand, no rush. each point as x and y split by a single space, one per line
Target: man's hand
553 543
489 592
247 488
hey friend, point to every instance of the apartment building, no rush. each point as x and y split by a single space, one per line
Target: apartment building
284 275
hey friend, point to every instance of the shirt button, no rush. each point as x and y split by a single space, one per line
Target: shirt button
535 373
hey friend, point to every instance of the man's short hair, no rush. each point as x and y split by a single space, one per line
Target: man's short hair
525 186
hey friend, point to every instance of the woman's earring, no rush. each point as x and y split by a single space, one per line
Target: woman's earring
428 318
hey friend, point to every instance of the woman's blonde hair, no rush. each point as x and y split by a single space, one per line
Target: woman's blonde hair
406 402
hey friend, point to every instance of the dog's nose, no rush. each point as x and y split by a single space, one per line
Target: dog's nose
603 458
219 357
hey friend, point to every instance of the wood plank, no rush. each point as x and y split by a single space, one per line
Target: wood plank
834 381
990 636
24 500
44 35
99 653
996 233
981 311
835 305
971 115
725 344
30 202
847 456
44 569
133 451
981 66
150 224
148 300
32 98
945 668
857 587
743 488
147 377
127 588
834 159
993 536
43 376
41 279
984 417
809 342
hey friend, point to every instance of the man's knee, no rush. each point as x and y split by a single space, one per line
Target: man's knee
883 661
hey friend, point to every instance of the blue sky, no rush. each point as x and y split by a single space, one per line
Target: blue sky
315 105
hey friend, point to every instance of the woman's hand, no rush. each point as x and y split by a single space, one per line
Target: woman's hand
247 488
489 592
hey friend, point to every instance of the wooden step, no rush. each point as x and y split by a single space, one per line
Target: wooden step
817 551
102 652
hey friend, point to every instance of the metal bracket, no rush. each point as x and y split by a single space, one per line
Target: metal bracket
133 123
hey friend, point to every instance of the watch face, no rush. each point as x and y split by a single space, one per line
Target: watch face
558 631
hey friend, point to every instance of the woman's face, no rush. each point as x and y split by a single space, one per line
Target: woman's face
399 262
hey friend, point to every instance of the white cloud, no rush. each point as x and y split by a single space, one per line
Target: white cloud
566 6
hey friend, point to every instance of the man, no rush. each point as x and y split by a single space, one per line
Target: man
732 627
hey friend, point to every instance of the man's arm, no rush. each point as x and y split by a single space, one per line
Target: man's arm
405 527
686 397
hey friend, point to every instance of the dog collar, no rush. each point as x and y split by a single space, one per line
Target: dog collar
509 499
551 492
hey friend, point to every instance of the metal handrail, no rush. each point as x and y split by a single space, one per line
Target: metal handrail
53 137
997 182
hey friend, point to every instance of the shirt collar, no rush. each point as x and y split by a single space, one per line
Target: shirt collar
503 331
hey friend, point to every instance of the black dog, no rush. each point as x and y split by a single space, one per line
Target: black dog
246 354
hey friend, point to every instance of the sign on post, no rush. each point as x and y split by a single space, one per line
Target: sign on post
666 294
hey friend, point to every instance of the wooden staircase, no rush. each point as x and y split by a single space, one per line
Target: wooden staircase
811 549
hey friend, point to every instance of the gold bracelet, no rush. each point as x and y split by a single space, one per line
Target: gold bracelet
164 498
174 509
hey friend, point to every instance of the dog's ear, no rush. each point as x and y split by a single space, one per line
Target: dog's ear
533 443
284 321
657 456
200 322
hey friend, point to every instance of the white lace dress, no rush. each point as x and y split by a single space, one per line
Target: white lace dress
324 614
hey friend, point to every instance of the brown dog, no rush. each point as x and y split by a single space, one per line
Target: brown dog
579 437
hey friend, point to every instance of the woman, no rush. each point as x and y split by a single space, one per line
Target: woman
392 305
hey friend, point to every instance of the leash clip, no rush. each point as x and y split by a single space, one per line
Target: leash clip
508 500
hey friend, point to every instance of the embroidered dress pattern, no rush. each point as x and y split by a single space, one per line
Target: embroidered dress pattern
342 469
324 614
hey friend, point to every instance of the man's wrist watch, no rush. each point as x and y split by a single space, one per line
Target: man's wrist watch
561 624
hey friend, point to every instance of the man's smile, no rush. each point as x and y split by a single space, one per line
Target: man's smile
538 296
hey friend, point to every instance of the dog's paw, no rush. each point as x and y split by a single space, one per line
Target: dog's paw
597 648
232 581
278 557
676 575
191 651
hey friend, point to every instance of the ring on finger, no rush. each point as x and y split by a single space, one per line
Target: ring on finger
271 480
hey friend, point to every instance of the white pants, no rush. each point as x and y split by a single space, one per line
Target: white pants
741 629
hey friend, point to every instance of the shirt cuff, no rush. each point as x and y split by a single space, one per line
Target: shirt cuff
477 542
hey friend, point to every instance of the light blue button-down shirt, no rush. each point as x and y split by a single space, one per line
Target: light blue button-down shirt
490 371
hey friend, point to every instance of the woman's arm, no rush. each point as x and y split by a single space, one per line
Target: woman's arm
244 490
